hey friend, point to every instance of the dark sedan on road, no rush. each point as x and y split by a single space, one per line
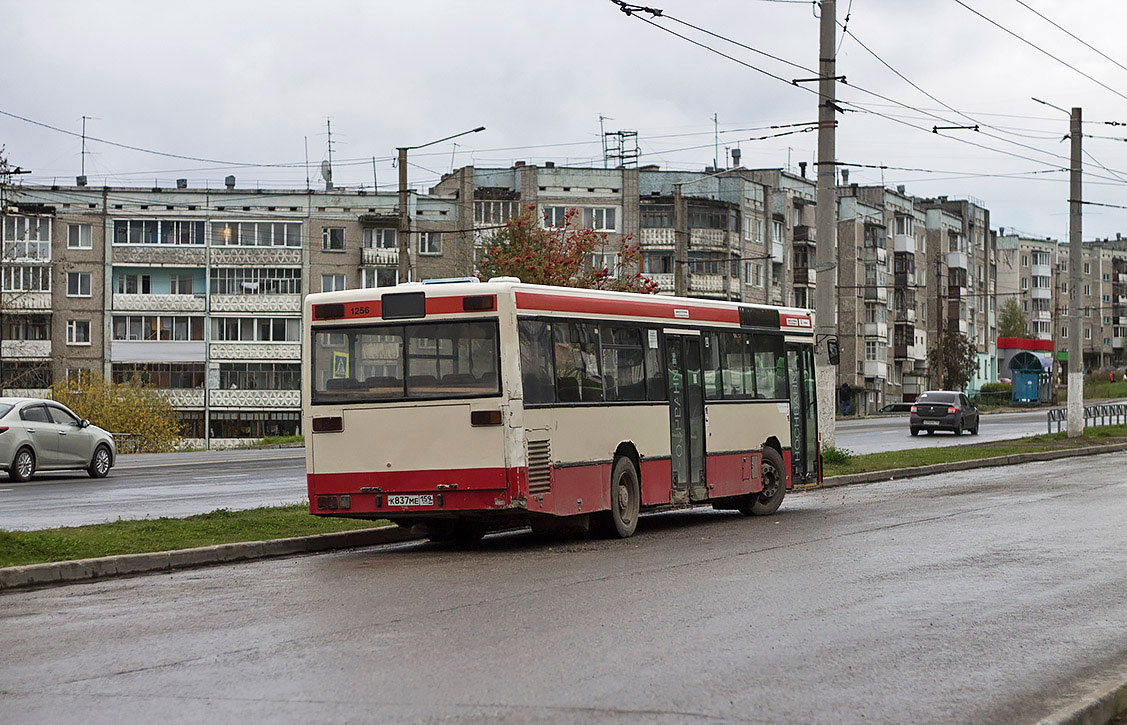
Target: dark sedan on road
943 410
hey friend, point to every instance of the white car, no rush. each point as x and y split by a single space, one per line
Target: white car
42 435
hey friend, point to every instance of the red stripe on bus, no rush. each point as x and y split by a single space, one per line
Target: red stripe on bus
408 481
624 308
367 309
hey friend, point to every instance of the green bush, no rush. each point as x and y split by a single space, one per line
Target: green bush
996 388
836 456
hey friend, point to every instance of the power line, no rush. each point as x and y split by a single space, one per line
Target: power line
1033 45
1071 35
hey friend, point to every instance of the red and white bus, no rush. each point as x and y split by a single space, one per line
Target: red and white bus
467 406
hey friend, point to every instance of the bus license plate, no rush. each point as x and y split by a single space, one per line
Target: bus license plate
421 500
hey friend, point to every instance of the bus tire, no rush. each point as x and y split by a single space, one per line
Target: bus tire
621 520
767 501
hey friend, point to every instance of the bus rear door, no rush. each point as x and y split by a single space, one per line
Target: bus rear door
686 415
803 414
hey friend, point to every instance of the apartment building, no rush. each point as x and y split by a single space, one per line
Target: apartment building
196 291
1028 271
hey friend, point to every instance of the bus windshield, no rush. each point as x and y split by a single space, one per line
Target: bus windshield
378 363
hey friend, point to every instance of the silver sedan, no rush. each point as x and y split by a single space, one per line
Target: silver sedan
42 435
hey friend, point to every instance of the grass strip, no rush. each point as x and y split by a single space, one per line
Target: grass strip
221 526
912 457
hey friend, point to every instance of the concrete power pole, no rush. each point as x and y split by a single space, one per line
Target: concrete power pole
826 224
1075 259
680 245
404 220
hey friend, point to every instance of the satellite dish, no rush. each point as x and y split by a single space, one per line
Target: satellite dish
326 172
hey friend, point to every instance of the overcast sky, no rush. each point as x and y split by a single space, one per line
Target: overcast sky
248 82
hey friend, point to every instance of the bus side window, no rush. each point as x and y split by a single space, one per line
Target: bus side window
770 367
536 361
737 367
655 366
710 365
577 362
624 376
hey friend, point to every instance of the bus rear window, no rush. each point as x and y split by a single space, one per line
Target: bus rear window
398 362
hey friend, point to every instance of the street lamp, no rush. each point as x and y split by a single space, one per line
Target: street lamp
404 216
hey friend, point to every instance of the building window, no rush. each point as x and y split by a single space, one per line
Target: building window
78 332
904 224
494 212
176 376
1064 331
134 284
78 284
25 374
332 282
26 279
380 238
332 239
599 218
554 216
254 423
156 231
656 263
80 236
1087 268
1087 333
180 284
379 277
430 243
260 376
1025 283
256 234
252 280
777 232
1025 260
657 216
157 327
610 261
256 329
753 274
26 328
27 237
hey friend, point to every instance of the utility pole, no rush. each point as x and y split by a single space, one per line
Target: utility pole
404 219
680 245
826 224
1075 260
940 304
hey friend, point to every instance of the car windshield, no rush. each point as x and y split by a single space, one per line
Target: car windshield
938 398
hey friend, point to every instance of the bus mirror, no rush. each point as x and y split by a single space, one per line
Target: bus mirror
833 351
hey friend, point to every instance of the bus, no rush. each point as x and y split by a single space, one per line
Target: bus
467 406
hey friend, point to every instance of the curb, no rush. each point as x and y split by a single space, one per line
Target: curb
62 572
1098 708
1010 460
77 570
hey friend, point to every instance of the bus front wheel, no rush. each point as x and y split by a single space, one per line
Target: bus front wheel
625 502
767 501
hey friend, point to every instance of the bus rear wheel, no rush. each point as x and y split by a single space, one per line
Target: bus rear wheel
770 497
625 502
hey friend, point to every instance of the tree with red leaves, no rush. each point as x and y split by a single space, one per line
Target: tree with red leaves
561 256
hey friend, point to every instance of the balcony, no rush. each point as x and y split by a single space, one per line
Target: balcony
27 392
963 326
158 256
16 349
875 292
255 398
1042 316
904 279
184 398
1117 342
804 234
956 292
156 351
1041 270
900 351
664 282
255 257
708 238
371 257
1041 293
255 303
658 238
906 314
706 283
876 329
158 303
879 254
904 243
27 301
267 351
802 275
875 369
957 260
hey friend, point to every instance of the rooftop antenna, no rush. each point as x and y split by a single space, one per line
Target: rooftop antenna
84 144
329 177
375 182
716 142
603 136
307 163
452 152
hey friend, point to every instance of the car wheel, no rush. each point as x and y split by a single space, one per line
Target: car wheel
974 430
914 431
959 428
100 463
23 465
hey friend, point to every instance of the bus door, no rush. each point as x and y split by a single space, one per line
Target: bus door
686 415
803 414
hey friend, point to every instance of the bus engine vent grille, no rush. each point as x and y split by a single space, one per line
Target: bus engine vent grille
539 465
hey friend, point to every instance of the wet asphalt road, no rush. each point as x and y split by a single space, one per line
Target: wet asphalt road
181 484
989 596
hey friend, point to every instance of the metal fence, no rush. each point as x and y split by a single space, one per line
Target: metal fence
1097 414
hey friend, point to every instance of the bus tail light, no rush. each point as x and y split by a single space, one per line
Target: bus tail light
328 424
485 417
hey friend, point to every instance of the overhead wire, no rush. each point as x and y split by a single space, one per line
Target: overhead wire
1071 34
